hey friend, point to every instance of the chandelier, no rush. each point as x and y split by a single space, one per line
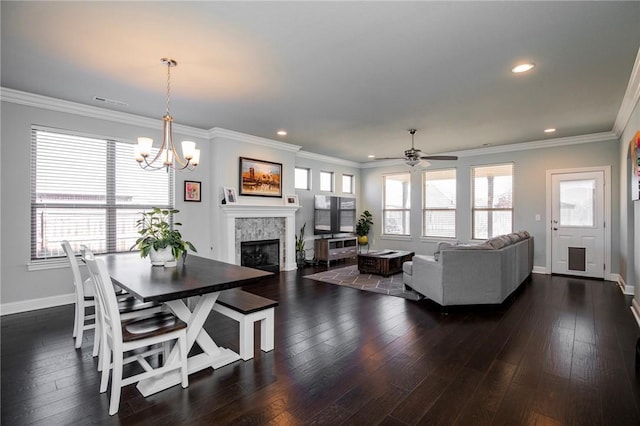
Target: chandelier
167 156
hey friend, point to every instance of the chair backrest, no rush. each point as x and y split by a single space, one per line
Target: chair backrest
75 268
106 295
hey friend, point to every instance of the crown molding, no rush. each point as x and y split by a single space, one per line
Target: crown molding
328 159
630 100
219 132
524 146
59 105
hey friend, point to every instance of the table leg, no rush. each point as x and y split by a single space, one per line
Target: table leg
213 355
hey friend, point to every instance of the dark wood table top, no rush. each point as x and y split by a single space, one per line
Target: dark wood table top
159 284
389 254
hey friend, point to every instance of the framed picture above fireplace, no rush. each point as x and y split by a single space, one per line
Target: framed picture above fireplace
260 178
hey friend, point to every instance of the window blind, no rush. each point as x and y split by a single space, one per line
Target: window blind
89 191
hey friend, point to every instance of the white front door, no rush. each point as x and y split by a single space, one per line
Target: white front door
578 224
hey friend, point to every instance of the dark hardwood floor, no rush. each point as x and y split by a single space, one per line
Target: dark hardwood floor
561 351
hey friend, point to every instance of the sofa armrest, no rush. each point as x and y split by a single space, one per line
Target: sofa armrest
427 277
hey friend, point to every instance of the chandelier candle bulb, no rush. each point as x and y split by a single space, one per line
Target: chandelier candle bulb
188 149
144 146
168 157
196 157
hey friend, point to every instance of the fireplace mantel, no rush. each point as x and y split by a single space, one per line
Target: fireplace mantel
231 212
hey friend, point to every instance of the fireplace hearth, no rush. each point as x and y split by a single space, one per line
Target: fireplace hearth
261 254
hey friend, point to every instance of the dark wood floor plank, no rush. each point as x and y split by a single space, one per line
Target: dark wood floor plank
560 351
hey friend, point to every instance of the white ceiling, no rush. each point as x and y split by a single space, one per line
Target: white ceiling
345 79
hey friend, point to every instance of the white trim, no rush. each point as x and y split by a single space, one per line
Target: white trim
523 146
35 304
328 159
607 213
635 310
630 99
218 132
626 289
540 270
53 104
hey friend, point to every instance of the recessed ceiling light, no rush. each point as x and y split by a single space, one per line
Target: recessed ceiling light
522 68
282 133
371 156
549 130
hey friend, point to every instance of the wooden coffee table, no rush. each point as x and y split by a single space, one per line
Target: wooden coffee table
383 262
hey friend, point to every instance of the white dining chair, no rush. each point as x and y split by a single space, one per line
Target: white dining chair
82 319
85 300
119 337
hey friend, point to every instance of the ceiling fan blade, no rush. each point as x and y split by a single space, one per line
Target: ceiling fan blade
391 158
438 157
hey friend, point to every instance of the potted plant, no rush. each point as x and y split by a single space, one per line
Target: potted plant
300 253
362 227
158 239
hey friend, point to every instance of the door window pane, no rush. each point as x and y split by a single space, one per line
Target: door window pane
577 203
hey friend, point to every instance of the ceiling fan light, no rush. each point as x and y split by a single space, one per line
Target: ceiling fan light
412 162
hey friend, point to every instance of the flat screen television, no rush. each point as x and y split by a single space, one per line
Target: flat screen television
334 215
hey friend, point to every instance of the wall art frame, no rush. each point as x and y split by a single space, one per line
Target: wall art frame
192 191
260 178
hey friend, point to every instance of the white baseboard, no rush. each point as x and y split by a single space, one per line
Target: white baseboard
626 289
635 310
34 304
540 270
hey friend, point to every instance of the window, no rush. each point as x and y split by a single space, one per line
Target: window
347 184
396 212
301 180
439 199
89 191
492 192
326 181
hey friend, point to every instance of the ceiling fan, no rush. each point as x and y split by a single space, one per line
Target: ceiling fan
413 156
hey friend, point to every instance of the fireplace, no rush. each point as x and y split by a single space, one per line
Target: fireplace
247 223
261 254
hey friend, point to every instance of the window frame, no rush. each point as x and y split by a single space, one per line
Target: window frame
490 210
111 205
426 209
308 179
351 179
331 181
406 225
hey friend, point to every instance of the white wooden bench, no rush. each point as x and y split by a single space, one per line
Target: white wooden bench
247 308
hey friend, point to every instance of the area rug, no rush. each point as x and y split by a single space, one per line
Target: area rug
351 277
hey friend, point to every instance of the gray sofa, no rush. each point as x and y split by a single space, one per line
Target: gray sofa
485 273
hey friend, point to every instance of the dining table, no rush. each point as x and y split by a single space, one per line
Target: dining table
190 290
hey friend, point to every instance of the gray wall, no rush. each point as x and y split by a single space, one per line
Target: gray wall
219 168
316 164
529 193
629 211
18 284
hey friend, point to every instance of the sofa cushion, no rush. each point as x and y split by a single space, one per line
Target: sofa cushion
499 242
523 234
443 245
481 246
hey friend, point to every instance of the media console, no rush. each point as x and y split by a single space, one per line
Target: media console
328 249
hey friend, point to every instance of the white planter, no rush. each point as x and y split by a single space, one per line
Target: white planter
160 257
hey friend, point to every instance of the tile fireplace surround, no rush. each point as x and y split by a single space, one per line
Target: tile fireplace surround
255 222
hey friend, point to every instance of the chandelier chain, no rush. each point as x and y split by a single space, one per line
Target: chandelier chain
168 88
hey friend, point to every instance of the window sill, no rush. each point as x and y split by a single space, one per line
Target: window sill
396 237
46 264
